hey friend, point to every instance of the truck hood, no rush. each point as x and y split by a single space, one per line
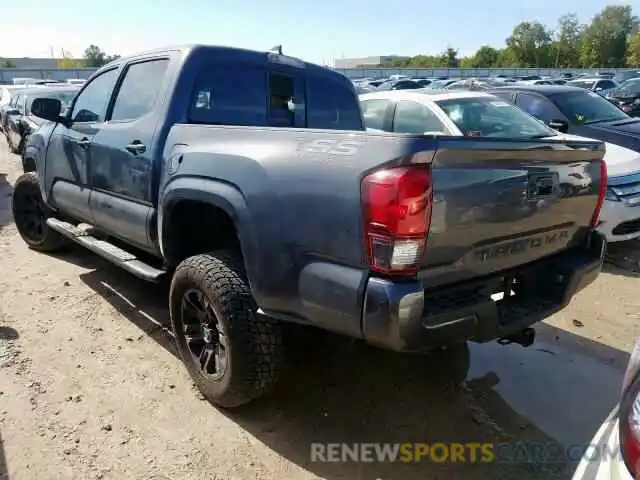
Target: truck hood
619 160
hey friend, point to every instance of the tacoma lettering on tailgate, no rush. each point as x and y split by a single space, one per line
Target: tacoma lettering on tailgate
520 246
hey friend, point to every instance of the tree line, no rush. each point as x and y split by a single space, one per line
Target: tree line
610 40
93 57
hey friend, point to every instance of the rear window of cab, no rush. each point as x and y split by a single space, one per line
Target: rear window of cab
246 96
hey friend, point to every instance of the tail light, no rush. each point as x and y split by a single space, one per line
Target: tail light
397 206
629 413
602 192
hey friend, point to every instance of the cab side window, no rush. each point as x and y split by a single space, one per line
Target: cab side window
233 95
139 89
91 103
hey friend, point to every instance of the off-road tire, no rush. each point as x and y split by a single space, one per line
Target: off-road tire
50 240
255 347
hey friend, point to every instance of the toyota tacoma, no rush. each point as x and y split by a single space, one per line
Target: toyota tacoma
248 179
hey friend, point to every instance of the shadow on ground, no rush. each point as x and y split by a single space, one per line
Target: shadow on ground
8 333
338 390
4 468
5 201
623 258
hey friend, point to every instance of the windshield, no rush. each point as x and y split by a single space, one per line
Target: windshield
65 97
581 83
492 117
630 86
587 107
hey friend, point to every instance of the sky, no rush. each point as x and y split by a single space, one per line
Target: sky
315 30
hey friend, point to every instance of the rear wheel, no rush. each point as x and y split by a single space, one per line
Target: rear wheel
30 214
233 354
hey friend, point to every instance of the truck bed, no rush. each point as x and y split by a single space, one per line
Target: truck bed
496 204
297 200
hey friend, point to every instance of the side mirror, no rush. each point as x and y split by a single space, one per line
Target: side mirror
12 111
47 108
559 125
599 89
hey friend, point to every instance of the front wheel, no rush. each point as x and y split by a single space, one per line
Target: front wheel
30 214
233 354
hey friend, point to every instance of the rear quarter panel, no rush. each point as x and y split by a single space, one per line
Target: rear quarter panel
295 198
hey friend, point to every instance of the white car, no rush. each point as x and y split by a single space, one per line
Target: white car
459 113
614 451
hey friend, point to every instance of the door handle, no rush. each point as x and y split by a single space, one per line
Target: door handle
83 142
136 147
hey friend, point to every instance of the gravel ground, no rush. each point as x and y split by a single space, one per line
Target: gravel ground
90 386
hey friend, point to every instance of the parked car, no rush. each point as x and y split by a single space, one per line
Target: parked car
13 95
535 82
614 451
595 84
626 97
45 81
472 84
576 111
21 122
443 83
376 83
402 84
23 81
481 114
423 82
364 88
313 221
626 75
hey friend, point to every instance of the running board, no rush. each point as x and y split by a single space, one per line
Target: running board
123 259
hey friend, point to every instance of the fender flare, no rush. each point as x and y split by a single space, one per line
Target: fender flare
218 194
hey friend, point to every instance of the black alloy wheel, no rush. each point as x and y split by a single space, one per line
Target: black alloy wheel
204 334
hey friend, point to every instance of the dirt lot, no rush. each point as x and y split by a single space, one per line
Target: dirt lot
90 386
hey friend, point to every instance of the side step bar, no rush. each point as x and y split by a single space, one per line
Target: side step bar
116 255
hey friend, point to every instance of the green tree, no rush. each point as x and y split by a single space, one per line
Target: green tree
633 51
95 57
566 45
530 43
8 63
449 58
69 63
507 58
485 57
604 42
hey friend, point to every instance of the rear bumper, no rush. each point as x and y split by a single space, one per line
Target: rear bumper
403 316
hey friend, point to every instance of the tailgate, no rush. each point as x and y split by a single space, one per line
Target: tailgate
501 204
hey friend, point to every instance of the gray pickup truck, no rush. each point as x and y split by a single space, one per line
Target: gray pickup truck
248 179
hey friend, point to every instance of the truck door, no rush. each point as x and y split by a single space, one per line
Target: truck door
69 149
121 175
